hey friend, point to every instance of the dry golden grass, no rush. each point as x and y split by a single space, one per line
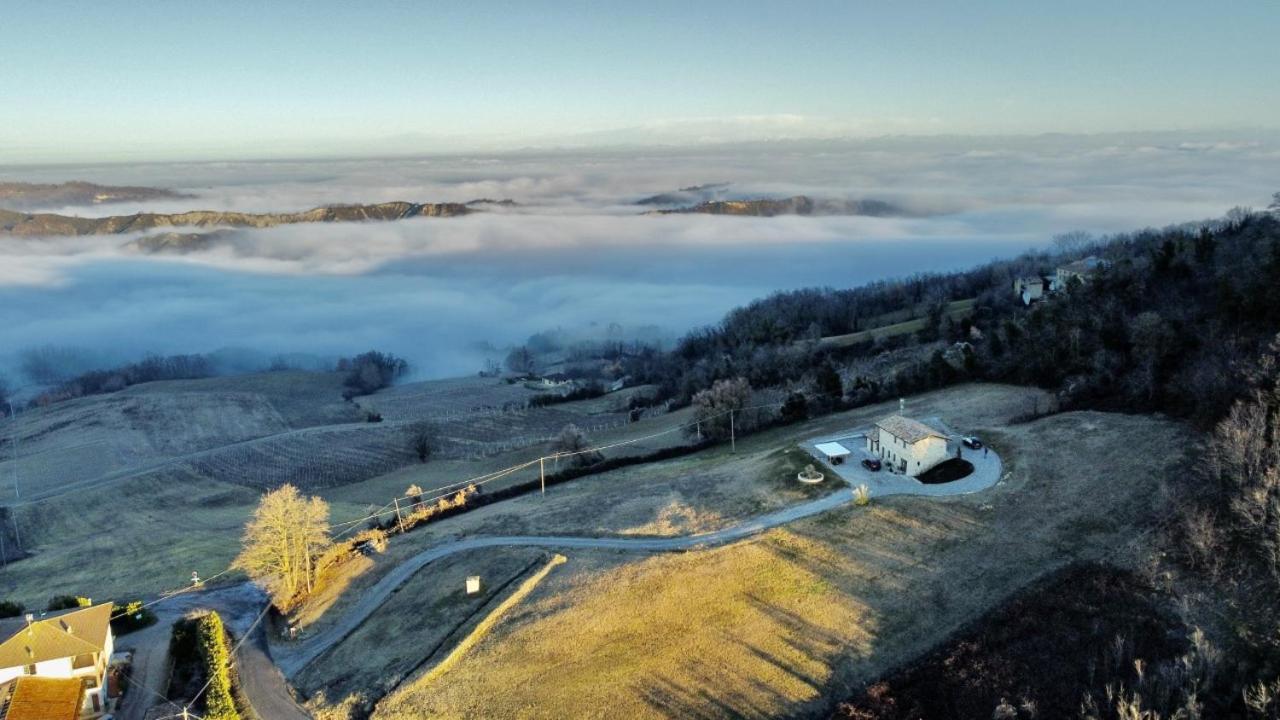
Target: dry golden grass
410 629
787 623
706 491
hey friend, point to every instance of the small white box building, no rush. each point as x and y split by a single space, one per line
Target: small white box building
473 584
834 452
906 446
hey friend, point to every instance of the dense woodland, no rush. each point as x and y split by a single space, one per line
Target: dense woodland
1163 327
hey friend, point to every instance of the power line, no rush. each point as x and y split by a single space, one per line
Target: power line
453 488
234 649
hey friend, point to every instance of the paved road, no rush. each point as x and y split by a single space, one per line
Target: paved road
239 605
293 660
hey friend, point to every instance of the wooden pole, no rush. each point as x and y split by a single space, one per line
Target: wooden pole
733 440
399 519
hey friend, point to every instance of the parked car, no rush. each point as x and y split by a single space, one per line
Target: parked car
871 464
971 442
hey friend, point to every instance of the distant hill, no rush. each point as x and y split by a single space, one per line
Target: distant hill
797 205
686 195
22 196
25 224
175 243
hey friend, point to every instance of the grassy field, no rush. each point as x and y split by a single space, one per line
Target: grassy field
786 624
424 613
697 493
890 326
164 515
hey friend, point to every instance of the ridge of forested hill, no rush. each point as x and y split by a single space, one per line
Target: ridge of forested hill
796 205
23 195
26 224
1160 327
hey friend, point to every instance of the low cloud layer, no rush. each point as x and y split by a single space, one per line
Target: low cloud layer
576 251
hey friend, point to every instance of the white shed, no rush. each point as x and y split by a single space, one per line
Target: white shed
833 451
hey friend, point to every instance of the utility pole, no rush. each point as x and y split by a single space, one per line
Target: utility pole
542 473
733 439
13 442
399 519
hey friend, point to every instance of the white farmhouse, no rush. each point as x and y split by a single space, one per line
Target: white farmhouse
906 446
67 644
1029 289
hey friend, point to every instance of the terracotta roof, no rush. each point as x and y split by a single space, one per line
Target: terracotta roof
59 635
41 698
1085 266
912 431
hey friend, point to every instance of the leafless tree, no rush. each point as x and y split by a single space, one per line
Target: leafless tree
572 440
424 439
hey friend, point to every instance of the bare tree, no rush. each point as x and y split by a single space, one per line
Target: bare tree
572 440
282 541
1072 242
424 439
712 407
521 360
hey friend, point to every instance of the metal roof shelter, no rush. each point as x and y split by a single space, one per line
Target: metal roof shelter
832 450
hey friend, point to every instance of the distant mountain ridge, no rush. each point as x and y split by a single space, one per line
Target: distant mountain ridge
28 224
175 243
23 195
797 205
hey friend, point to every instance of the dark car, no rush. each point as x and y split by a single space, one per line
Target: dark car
871 464
972 442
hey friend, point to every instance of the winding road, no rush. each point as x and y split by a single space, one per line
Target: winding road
265 685
311 648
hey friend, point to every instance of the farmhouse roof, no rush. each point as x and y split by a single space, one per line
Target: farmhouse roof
1084 266
58 635
912 431
41 698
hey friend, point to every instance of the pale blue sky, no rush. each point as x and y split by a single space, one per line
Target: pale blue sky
158 80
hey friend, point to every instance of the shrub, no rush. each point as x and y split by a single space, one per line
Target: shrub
67 602
132 617
216 657
862 495
9 608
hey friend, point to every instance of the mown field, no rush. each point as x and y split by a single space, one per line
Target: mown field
893 324
790 622
127 493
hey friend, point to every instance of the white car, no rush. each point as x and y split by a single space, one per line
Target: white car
971 442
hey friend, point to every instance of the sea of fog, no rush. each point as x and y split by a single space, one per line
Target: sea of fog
576 253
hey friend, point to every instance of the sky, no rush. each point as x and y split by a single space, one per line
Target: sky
141 81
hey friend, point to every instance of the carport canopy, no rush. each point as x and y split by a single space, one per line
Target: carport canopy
832 450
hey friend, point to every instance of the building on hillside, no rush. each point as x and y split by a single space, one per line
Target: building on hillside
556 380
40 698
1083 270
1029 289
74 644
906 446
